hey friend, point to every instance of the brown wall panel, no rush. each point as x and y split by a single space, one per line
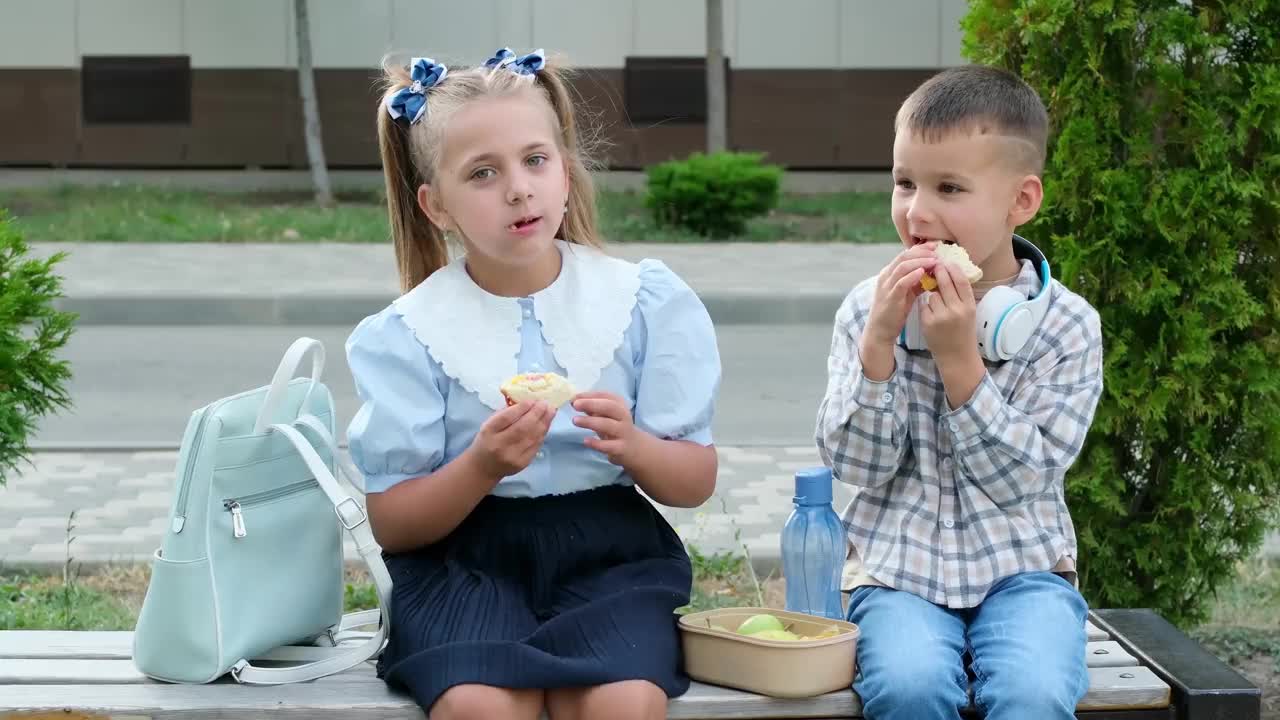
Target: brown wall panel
39 112
625 145
671 141
240 117
800 118
867 102
348 100
789 114
133 145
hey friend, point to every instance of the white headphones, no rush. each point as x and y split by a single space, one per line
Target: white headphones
1005 319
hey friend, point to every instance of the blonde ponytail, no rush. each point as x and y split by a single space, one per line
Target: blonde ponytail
581 220
419 245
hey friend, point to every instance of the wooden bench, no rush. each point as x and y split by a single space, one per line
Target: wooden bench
1140 668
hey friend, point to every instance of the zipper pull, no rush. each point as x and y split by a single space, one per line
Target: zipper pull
237 520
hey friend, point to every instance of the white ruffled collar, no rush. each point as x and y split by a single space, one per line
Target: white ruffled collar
475 335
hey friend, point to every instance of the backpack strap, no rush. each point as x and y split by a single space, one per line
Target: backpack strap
347 468
284 373
351 514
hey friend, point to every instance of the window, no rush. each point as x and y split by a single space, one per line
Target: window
667 89
150 90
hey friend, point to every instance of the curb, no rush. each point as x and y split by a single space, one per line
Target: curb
725 308
41 447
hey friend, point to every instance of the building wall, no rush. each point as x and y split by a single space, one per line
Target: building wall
814 83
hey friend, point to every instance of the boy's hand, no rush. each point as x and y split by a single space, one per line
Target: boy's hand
508 440
897 287
949 315
609 417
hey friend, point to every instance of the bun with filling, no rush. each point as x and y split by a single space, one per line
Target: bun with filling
550 388
954 255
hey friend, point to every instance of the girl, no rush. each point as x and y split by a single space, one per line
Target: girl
529 572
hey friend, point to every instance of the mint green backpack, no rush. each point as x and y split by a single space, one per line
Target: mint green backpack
251 565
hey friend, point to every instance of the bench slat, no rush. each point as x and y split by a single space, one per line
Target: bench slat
1124 688
91 645
1109 689
28 671
88 645
341 700
118 645
90 671
704 702
52 670
1109 653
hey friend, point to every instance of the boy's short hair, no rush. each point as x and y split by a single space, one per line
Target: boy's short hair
977 98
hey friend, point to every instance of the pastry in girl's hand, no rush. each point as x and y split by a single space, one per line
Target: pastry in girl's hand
955 255
550 388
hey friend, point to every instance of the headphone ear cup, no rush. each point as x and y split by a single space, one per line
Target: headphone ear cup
994 307
1015 331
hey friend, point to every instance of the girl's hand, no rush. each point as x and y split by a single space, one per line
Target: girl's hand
508 440
897 287
610 418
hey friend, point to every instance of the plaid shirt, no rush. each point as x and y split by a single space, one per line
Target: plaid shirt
949 502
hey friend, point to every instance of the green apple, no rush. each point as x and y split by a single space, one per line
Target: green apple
760 623
776 635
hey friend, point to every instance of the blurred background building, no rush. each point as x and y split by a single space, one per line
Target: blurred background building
213 84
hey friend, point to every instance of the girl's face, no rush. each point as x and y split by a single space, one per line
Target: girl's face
501 182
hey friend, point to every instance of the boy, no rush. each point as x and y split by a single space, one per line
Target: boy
961 546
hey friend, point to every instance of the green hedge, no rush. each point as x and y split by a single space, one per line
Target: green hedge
1163 209
32 330
713 195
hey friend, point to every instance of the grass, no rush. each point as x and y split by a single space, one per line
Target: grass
107 599
1244 629
727 580
110 597
31 602
144 214
1245 621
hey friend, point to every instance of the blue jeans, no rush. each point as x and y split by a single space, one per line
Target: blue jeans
1025 644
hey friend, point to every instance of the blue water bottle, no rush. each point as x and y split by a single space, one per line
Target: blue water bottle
813 547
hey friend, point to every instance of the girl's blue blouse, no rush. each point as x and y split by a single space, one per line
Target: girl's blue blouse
416 417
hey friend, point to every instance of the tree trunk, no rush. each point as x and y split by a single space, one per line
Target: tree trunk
717 120
310 109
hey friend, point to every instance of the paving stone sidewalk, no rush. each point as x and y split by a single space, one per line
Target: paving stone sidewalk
121 500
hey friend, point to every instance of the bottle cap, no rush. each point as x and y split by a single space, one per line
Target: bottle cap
813 486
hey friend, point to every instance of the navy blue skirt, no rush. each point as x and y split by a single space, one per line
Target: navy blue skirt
549 592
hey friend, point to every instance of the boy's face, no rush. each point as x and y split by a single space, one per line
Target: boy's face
963 188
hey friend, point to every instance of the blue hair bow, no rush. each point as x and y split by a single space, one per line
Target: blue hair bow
522 65
411 102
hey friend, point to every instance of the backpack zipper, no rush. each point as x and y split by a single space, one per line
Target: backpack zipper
237 520
236 506
184 487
